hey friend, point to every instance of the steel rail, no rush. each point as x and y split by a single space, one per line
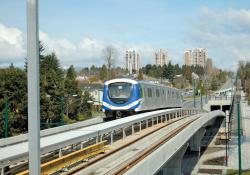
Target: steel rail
81 167
148 151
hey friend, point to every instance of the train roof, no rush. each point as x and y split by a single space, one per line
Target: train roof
121 80
136 82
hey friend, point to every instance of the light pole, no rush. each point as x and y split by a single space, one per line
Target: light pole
206 89
61 121
194 93
33 87
201 94
239 132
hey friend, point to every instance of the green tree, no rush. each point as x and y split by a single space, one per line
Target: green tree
13 88
103 73
85 107
140 75
169 72
51 88
70 84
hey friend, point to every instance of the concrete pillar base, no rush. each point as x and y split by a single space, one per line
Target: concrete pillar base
60 152
2 171
123 133
173 166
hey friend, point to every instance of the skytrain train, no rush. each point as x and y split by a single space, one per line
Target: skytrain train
124 97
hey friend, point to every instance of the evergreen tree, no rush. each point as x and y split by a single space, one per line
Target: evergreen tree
85 107
51 87
71 86
103 73
13 89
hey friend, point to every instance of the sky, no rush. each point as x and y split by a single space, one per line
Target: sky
78 31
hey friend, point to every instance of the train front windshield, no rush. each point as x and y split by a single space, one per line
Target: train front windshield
120 92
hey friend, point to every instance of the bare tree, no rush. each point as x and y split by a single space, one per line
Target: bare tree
110 54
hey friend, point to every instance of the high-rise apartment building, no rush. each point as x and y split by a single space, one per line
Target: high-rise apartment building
196 57
132 61
199 57
161 57
188 57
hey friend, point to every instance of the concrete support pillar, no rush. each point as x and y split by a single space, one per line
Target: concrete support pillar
152 121
140 126
97 139
195 141
2 171
173 166
147 123
133 129
101 137
157 120
60 152
81 145
111 137
123 133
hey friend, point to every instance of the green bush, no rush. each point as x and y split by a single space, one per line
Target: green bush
81 117
67 120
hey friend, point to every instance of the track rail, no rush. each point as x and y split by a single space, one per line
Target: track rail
148 151
77 169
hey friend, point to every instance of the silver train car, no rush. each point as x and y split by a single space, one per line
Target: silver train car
123 97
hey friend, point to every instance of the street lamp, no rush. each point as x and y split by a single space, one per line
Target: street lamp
194 76
201 94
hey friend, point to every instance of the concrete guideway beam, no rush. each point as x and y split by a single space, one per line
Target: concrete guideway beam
173 166
153 162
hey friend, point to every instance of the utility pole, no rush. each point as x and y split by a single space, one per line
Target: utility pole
6 117
239 133
206 89
201 95
33 87
194 93
62 110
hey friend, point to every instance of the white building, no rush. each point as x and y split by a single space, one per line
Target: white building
161 57
195 57
188 57
132 61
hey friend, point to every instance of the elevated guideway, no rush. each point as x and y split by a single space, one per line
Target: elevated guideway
161 151
168 157
15 153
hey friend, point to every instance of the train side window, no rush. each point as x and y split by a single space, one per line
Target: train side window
157 93
149 90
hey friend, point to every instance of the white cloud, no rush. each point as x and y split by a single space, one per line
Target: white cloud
225 34
11 45
89 51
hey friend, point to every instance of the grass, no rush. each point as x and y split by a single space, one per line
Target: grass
234 172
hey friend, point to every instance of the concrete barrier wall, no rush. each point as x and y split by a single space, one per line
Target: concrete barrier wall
51 131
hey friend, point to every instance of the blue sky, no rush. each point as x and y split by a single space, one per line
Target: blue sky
78 30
